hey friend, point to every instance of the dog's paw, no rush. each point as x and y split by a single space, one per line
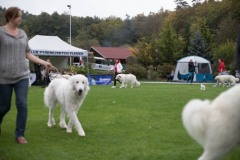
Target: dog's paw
51 123
81 134
62 125
69 130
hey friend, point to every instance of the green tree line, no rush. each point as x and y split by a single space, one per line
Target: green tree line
208 28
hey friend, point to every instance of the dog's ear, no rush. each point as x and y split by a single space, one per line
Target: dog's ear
72 83
86 87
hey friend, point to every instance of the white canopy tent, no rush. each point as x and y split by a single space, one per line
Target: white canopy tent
56 49
203 69
53 46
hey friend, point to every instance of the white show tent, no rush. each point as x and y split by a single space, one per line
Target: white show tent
56 49
53 46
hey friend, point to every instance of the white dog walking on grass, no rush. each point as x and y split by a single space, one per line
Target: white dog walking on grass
70 93
229 79
128 78
214 125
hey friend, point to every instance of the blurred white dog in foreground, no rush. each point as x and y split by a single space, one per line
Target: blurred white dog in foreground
229 79
70 93
128 78
202 86
214 125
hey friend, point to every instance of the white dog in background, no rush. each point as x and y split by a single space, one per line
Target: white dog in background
128 79
202 87
70 93
229 79
214 125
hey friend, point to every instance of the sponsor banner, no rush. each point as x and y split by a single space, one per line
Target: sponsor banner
100 79
56 53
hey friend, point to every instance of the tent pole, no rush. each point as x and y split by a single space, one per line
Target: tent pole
70 29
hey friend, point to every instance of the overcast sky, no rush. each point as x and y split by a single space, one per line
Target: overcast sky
99 8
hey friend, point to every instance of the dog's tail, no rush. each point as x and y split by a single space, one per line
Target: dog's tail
194 118
49 97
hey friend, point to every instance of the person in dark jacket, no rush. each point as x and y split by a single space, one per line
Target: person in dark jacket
191 71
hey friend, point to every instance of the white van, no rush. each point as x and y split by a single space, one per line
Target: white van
102 64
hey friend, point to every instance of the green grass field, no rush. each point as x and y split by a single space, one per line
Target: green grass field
120 124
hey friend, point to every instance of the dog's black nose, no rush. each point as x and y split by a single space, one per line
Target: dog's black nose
80 90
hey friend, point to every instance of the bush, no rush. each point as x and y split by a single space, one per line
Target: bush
139 71
152 73
226 52
165 69
84 71
81 70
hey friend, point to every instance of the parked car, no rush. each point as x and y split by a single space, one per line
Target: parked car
102 64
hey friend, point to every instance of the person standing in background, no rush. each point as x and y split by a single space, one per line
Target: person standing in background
37 69
221 67
170 76
46 79
191 71
14 69
117 70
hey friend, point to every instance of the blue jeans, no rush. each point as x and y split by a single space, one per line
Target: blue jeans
190 77
21 89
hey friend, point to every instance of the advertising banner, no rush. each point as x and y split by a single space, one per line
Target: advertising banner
100 79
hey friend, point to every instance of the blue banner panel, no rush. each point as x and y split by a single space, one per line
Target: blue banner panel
204 77
100 79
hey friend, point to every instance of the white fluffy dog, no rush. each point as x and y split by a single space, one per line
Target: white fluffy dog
70 93
128 78
229 79
214 125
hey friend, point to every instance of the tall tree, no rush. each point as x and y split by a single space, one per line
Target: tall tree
144 52
198 46
186 38
167 43
196 1
208 38
181 4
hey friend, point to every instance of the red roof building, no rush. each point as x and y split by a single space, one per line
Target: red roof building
111 52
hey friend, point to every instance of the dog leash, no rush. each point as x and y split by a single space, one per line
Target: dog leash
58 73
